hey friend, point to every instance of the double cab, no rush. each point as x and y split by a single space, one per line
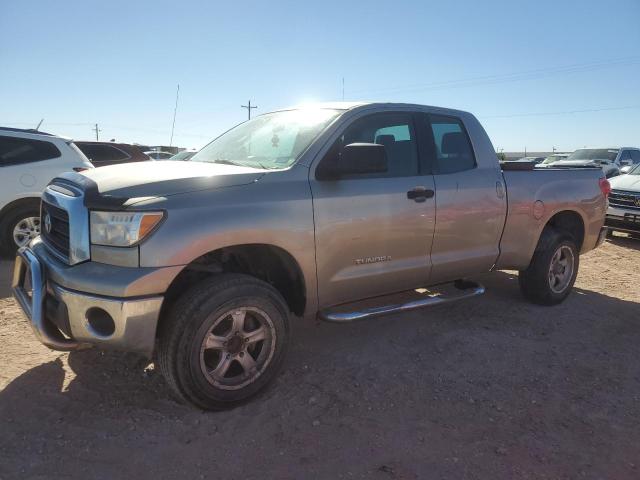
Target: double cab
336 211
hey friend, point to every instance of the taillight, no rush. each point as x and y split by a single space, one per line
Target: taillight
80 169
605 187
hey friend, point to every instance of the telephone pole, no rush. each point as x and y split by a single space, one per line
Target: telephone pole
97 130
249 107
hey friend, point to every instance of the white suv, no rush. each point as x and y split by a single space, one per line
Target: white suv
28 161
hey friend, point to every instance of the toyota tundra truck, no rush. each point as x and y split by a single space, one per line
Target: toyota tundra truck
340 212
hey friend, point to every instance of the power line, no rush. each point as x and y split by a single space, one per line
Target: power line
565 112
503 77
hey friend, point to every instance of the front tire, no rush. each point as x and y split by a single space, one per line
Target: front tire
19 226
224 341
553 269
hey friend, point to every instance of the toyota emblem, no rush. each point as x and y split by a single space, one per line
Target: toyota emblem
47 223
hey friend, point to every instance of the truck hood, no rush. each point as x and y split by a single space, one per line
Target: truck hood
118 185
626 182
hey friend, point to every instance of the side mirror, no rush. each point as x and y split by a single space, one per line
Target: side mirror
354 159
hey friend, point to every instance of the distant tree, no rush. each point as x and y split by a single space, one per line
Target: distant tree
501 156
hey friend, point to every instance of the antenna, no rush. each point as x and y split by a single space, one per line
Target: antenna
343 89
175 110
248 106
39 123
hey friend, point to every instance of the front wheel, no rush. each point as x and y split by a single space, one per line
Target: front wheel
553 269
224 341
19 226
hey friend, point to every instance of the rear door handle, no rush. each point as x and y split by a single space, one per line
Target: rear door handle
420 194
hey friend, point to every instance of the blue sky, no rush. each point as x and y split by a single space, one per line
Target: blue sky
519 66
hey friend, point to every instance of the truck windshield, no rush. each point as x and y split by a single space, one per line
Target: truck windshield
635 170
594 154
270 141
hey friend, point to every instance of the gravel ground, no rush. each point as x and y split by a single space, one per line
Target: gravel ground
489 388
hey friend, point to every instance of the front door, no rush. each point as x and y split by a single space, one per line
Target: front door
371 238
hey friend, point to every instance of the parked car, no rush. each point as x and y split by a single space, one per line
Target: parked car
556 157
109 153
534 160
29 159
158 155
184 155
623 213
610 159
300 212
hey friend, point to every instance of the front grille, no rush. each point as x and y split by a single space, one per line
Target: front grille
57 238
624 199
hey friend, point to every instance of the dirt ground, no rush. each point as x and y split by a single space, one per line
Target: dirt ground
489 388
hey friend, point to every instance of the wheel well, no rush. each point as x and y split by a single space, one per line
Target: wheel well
571 222
30 201
267 262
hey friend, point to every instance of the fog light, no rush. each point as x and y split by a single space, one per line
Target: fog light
100 322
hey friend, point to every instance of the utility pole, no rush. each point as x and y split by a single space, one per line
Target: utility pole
175 110
97 130
343 89
249 107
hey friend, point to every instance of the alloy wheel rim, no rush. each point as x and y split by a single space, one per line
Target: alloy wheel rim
26 230
561 269
237 348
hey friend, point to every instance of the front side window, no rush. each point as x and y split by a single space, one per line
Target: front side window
635 156
453 148
14 151
270 141
392 130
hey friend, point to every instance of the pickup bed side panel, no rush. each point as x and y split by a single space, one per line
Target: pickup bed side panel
555 190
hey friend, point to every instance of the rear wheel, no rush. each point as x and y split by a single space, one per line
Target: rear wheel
224 341
19 226
553 269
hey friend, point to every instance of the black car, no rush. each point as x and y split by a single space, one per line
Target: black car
109 153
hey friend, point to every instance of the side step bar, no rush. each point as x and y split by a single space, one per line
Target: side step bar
419 298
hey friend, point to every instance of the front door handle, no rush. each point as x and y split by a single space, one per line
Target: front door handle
420 194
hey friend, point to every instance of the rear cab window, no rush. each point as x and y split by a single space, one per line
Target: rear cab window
453 150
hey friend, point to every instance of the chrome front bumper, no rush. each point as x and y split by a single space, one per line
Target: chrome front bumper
127 324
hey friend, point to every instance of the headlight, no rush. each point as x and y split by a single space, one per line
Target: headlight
122 229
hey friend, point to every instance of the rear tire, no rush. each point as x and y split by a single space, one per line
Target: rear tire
18 226
223 341
553 269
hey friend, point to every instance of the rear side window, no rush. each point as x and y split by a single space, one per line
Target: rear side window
103 153
14 151
395 132
453 148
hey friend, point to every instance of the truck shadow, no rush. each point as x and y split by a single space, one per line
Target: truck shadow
493 350
627 242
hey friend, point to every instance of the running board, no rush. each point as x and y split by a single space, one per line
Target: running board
402 302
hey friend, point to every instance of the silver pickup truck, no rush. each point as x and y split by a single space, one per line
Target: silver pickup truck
338 211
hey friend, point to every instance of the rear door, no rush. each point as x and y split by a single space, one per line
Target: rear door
372 236
470 200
